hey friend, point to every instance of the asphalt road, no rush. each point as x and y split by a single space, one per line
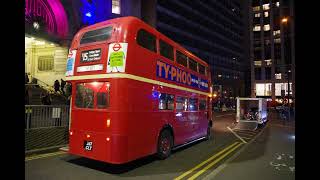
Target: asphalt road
196 161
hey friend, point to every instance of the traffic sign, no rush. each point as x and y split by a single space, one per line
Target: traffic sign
116 47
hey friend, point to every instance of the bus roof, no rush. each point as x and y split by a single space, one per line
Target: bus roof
131 19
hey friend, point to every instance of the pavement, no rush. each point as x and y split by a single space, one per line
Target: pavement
266 153
270 156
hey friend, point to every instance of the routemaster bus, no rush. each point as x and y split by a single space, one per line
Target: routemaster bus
135 93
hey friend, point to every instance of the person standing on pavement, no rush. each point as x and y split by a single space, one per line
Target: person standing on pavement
56 85
63 84
26 78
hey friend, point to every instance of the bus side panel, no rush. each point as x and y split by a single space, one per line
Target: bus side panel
141 121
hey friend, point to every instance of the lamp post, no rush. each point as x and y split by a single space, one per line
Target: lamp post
284 21
289 109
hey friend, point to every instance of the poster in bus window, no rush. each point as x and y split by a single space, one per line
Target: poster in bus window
70 62
117 55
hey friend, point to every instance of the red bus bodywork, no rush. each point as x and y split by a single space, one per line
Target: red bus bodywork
129 128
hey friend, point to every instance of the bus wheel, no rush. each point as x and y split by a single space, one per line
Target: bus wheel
209 133
164 145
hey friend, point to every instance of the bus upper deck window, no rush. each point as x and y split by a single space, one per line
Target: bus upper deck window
97 35
182 59
166 50
202 69
146 40
193 65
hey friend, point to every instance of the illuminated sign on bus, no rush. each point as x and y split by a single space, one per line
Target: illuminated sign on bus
175 74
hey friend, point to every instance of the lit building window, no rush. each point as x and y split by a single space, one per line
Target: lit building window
278 76
277 4
268 62
282 86
219 75
266 27
116 6
265 6
277 32
266 14
257 63
256 8
257 15
263 89
277 40
267 41
257 28
45 63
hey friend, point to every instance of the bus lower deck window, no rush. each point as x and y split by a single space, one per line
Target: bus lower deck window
166 101
203 104
193 104
181 103
84 96
87 92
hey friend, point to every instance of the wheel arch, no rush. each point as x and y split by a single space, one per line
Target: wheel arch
167 127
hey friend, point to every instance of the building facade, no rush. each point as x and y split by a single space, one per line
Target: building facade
51 24
272 49
214 30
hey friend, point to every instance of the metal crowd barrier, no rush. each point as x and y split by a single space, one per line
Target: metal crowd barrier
41 116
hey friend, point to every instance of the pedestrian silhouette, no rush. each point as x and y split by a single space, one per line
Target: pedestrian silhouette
26 78
56 85
45 98
63 84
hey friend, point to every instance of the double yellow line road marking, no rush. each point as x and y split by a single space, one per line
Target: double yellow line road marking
226 151
44 155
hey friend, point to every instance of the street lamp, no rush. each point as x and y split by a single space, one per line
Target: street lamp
284 20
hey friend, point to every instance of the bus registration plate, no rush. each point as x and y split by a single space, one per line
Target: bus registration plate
87 145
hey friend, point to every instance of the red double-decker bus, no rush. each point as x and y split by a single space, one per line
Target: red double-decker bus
135 93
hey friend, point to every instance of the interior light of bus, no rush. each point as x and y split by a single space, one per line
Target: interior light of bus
88 135
108 123
94 83
108 139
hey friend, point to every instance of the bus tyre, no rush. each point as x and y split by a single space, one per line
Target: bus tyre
165 143
209 134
